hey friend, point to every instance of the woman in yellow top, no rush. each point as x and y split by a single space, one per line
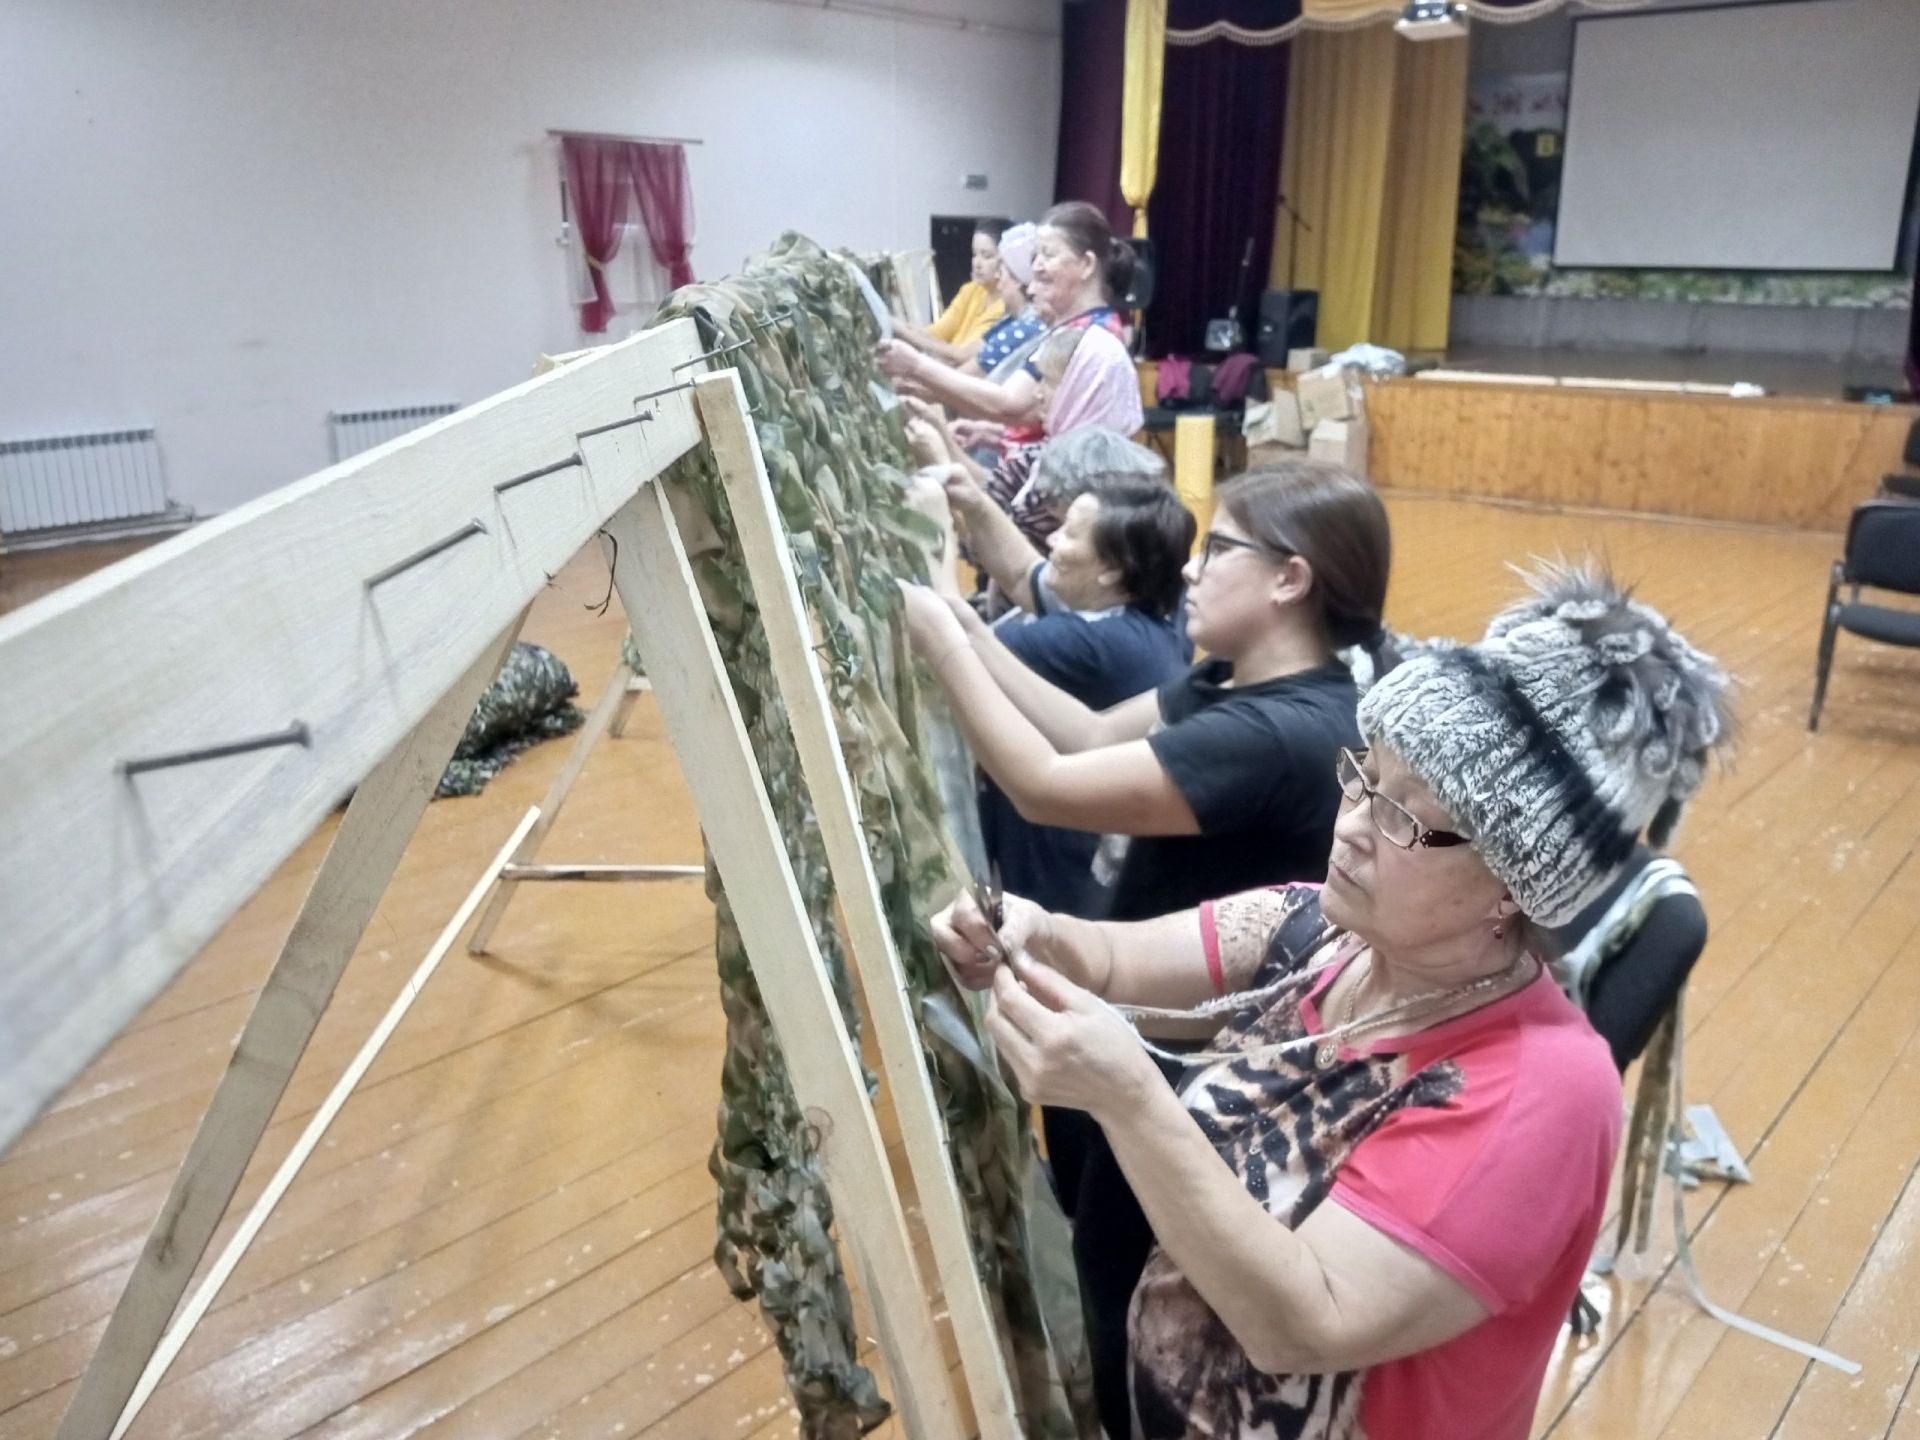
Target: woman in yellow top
976 308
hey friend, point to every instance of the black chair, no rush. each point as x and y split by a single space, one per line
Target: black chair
1883 551
1632 992
1906 485
1157 421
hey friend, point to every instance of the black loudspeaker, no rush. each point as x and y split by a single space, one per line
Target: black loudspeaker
1140 293
1289 320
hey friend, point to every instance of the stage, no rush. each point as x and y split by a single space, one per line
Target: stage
1536 429
1766 459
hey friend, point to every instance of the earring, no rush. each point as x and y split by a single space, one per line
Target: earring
1499 932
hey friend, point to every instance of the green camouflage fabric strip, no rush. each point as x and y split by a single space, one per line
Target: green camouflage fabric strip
528 702
836 456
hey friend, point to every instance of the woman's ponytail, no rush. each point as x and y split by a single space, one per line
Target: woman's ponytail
1118 270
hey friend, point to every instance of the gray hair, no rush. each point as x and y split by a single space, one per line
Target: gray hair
1088 461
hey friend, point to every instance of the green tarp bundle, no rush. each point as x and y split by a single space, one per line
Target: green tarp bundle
529 701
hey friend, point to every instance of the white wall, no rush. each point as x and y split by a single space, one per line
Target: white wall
225 218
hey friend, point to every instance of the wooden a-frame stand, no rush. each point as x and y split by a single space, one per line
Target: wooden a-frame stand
406 573
607 718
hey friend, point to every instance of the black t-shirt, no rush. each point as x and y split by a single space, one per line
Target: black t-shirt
1256 764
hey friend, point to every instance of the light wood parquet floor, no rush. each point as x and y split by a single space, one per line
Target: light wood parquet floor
507 1231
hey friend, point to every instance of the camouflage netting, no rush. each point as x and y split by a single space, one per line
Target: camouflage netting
528 702
836 456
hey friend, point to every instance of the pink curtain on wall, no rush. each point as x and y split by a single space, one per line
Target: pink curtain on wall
660 182
598 187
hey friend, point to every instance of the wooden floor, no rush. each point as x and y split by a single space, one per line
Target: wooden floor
507 1231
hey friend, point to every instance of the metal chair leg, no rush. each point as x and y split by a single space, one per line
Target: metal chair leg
1828 631
1828 627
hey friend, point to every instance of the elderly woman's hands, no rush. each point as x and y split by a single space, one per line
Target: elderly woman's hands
973 434
924 439
919 409
931 624
964 492
968 617
899 361
1064 1046
973 949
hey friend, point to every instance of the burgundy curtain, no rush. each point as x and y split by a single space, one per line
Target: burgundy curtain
597 187
666 205
1222 113
1093 49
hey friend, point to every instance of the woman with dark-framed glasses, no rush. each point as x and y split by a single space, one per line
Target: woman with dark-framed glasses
1224 775
1377 1187
1220 780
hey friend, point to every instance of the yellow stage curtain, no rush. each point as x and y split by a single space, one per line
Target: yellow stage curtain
1349 9
1371 160
1140 104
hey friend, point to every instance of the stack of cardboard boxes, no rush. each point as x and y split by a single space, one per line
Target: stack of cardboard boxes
1333 413
1323 415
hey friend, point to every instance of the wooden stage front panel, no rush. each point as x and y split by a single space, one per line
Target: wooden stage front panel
1765 460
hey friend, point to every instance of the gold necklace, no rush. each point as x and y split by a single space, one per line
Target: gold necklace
1327 1052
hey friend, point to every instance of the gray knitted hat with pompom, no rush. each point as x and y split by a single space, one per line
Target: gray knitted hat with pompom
1580 719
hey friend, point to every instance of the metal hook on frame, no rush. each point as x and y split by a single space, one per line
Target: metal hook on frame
759 324
295 734
656 394
471 528
556 467
711 354
642 418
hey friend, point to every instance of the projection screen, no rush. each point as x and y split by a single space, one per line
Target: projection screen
1773 136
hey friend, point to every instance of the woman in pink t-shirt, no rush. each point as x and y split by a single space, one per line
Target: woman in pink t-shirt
1376 1191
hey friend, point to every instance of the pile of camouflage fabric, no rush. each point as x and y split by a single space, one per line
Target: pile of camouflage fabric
528 702
836 455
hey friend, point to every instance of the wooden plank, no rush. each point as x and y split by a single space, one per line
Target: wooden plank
318 1284
637 685
80 1426
1656 1341
256 619
603 719
1875 1325
676 642
356 1353
1766 459
359 864
611 704
604 873
1746 1386
736 452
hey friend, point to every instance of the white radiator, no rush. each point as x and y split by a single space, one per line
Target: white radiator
58 482
352 431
